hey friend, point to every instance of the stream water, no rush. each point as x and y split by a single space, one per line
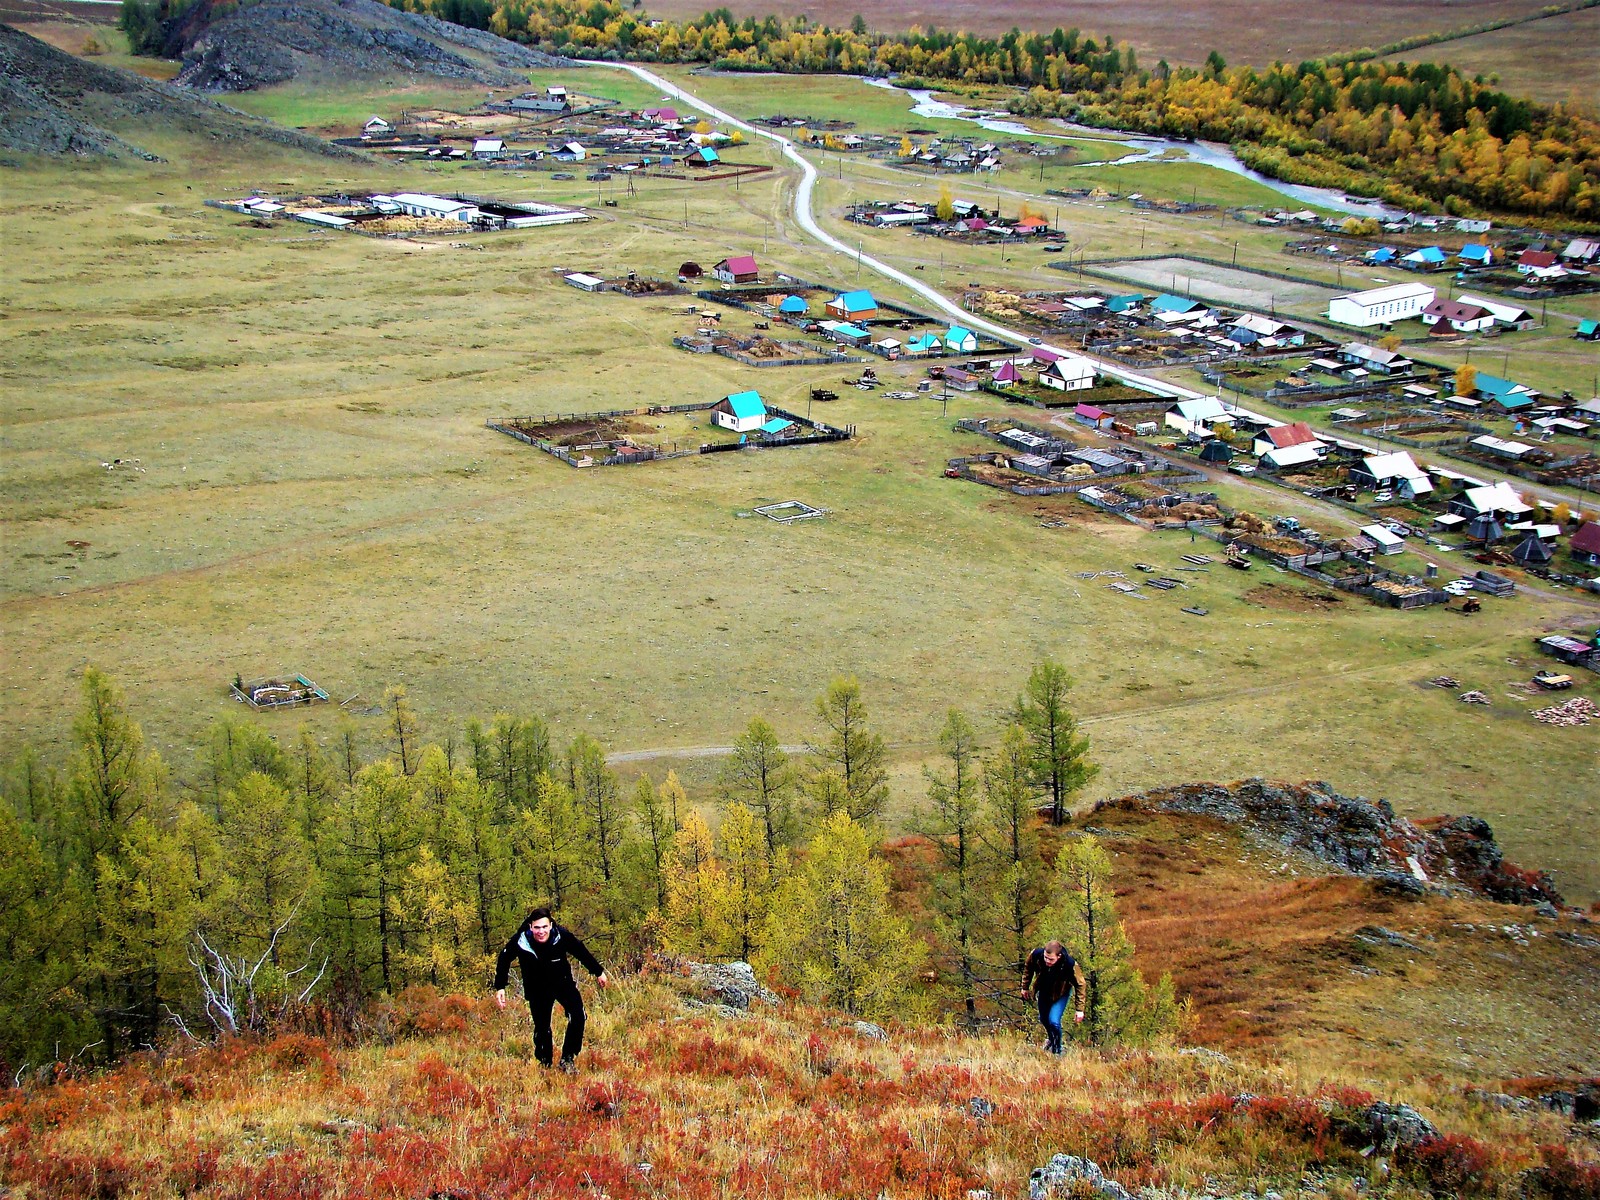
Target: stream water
1144 149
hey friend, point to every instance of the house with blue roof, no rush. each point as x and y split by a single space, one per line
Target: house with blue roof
1122 304
1429 258
924 343
1476 254
742 412
843 331
1508 394
1168 303
853 306
1588 331
1383 254
794 306
776 427
705 156
960 340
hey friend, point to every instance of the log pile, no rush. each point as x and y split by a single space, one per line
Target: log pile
1576 711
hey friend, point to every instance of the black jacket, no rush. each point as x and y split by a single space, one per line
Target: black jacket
545 965
1054 982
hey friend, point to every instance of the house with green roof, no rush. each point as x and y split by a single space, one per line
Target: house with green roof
1589 331
1509 395
923 343
1122 304
742 412
1168 303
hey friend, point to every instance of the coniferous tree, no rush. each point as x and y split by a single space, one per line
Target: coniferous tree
1059 752
748 876
551 843
655 842
270 870
951 822
1012 845
696 922
1119 1007
758 775
833 933
851 771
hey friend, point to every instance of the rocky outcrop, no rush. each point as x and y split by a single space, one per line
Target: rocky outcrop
1361 836
1067 1175
733 985
278 40
52 102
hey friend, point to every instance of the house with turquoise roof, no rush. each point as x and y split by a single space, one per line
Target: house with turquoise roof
853 306
742 412
960 340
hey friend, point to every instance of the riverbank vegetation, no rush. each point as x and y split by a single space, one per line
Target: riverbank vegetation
1424 135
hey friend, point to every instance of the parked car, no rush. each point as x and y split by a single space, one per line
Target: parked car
597 176
1382 497
1035 341
1240 468
563 175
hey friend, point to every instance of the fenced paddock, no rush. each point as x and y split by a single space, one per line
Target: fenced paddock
609 439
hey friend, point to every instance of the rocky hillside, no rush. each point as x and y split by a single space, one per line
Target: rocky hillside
1361 836
54 103
236 49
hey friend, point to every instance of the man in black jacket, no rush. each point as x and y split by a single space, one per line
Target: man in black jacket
1053 977
541 948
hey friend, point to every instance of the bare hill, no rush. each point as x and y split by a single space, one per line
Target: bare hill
52 102
279 40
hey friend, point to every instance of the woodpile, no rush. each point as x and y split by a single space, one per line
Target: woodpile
1473 698
1576 711
1445 681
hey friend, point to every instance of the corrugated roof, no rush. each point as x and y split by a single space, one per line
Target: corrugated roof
746 405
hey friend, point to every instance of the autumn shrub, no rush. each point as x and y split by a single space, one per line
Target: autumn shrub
422 1011
1562 1177
299 1051
443 1092
1450 1165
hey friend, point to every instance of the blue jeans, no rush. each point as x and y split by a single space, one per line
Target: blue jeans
1051 1017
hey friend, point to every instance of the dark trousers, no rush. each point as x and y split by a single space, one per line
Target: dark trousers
540 1005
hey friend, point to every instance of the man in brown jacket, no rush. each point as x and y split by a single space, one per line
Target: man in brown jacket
1053 977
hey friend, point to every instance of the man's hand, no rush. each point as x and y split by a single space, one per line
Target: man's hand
602 980
500 1000
1079 1018
1026 993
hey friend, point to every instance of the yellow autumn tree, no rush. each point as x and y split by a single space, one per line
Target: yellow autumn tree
1466 379
696 924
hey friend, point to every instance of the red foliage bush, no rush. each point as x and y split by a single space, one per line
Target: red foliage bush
445 1093
1562 1177
295 1051
1451 1165
422 1011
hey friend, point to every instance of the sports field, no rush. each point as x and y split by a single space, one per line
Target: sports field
1221 285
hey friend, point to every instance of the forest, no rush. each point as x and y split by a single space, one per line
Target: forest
1422 135
287 877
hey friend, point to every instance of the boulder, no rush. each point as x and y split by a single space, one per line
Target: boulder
733 984
1067 1175
1394 1127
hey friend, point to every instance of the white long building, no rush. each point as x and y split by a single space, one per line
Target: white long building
1381 306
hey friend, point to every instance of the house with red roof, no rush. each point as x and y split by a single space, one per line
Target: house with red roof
1535 260
737 270
1460 316
1584 546
1281 437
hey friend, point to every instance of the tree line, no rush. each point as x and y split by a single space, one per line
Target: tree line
288 872
1423 135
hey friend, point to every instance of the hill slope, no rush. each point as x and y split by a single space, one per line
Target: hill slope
279 40
54 103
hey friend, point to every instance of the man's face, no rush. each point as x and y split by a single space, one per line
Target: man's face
1052 957
541 929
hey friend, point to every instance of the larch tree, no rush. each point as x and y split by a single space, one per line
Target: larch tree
1059 756
1011 846
1120 1007
656 834
833 933
951 822
697 893
269 864
404 728
850 752
758 775
551 843
747 873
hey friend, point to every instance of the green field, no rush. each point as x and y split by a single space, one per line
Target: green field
315 491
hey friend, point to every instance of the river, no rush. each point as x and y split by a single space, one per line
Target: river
1150 149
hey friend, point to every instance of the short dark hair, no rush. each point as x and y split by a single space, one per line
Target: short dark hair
538 914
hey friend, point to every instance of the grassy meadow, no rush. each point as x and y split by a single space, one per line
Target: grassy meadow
313 490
